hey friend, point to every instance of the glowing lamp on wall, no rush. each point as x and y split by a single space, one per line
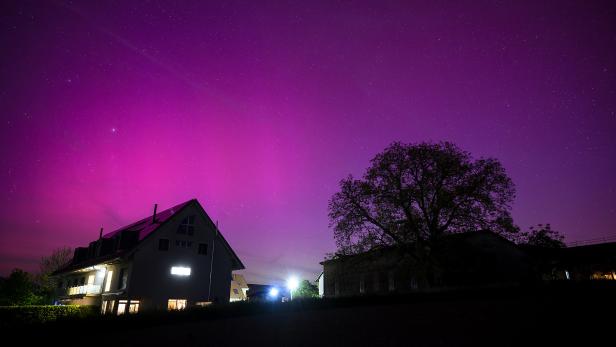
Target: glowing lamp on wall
180 271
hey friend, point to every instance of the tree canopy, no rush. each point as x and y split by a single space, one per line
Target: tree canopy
542 236
415 193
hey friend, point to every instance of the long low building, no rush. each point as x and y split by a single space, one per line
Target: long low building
170 260
463 260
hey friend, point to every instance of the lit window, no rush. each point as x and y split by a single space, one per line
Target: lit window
122 307
108 282
104 307
133 307
203 303
176 304
180 271
90 279
187 226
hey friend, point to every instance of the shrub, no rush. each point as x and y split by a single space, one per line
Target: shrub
22 315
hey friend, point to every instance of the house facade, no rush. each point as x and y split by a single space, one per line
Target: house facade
471 259
170 260
239 289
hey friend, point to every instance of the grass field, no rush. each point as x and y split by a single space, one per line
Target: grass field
557 314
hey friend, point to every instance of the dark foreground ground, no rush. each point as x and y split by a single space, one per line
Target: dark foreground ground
582 315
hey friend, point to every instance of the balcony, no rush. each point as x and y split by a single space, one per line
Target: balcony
87 289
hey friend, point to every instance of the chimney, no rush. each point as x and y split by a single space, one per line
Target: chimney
100 234
154 215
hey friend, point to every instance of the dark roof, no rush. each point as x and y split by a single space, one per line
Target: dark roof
586 254
143 228
447 240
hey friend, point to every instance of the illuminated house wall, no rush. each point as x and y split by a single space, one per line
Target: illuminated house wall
152 262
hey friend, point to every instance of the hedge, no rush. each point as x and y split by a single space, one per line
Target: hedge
38 314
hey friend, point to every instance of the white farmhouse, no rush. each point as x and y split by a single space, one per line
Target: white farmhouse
171 260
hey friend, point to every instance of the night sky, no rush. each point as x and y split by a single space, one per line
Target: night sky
259 109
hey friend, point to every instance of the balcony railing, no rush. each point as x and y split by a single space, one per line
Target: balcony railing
85 289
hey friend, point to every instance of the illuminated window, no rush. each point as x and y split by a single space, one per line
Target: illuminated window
122 307
91 279
104 307
203 303
133 307
187 226
180 271
176 304
108 282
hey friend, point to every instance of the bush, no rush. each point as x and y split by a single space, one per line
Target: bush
22 315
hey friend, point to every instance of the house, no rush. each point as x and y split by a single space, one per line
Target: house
462 260
239 289
321 283
172 259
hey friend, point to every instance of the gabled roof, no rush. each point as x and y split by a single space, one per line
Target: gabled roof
146 227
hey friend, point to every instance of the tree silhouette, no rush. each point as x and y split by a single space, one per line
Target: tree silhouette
542 236
413 194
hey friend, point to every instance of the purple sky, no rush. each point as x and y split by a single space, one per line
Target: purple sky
258 110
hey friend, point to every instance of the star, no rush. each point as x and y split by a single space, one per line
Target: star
114 130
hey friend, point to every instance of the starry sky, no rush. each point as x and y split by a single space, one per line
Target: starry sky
259 108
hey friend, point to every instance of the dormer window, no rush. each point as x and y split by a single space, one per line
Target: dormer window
187 226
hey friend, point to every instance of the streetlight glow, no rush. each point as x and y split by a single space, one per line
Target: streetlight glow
273 292
292 284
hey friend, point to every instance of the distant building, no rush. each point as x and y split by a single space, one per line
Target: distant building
321 284
589 262
267 292
170 260
463 260
239 289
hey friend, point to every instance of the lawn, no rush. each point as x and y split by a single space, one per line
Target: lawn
549 315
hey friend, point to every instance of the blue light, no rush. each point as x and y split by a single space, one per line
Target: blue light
273 292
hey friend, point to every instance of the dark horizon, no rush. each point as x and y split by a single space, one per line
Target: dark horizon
259 110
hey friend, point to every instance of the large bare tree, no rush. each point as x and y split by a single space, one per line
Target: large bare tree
413 194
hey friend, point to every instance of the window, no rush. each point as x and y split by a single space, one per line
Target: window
203 248
163 245
108 282
180 271
392 281
104 307
133 307
82 281
122 307
236 291
376 283
336 286
123 279
187 226
90 279
176 304
362 284
183 243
